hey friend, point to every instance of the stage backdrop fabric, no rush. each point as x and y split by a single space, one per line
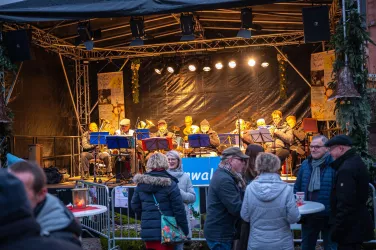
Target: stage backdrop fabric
219 95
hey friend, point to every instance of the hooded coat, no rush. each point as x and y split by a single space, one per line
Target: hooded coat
269 206
186 191
164 187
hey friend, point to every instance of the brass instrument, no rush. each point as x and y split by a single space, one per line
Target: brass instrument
190 130
149 124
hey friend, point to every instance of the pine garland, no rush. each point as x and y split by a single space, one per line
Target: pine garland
282 77
135 66
353 115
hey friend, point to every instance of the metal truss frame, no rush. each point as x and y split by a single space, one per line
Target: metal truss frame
82 91
208 45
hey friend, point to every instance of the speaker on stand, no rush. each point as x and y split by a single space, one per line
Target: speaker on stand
316 24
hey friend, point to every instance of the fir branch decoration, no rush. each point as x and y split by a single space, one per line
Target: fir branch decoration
5 61
135 66
353 115
282 77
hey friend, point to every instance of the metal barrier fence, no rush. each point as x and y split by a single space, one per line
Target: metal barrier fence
125 225
99 195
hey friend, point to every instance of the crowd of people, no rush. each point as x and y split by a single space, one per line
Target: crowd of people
248 205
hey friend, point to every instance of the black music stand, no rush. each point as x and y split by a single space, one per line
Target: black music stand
199 141
261 135
118 142
229 139
97 138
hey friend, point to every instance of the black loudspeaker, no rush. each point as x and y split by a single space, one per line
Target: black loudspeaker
17 43
316 24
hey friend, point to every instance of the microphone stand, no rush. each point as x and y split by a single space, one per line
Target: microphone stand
239 132
135 146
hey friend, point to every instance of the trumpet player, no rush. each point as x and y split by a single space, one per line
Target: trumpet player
282 135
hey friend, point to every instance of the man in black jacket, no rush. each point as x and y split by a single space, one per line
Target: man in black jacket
224 200
352 223
18 228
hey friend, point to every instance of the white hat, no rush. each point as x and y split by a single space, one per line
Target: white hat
125 122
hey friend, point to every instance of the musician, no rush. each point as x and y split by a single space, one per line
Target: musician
189 128
244 134
213 136
297 147
282 135
125 126
163 131
261 123
88 153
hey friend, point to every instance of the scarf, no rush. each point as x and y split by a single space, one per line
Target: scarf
237 176
314 183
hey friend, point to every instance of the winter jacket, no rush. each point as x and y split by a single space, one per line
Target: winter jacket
283 137
269 206
353 223
223 205
327 175
57 221
85 142
24 233
187 193
164 187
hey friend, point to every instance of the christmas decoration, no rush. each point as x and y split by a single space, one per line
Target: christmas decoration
135 66
282 64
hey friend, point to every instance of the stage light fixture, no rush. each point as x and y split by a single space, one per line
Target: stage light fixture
219 65
138 30
246 19
159 68
86 35
206 68
170 69
206 65
187 25
192 67
232 64
251 62
264 64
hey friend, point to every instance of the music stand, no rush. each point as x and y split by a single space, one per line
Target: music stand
97 138
228 139
261 135
156 144
143 133
118 142
199 141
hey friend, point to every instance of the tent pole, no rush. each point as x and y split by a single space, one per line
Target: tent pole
70 92
13 84
292 65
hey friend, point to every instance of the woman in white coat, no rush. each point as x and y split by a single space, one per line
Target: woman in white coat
185 186
269 206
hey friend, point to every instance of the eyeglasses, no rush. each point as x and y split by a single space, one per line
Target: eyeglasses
240 159
171 159
316 147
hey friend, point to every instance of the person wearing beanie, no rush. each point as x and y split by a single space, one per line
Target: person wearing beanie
352 223
55 220
165 188
213 136
185 185
18 228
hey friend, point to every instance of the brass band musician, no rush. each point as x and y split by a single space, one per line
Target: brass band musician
297 147
89 151
282 135
189 128
213 136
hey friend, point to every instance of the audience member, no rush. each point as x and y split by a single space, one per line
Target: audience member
269 206
224 200
352 221
164 186
53 217
18 228
315 178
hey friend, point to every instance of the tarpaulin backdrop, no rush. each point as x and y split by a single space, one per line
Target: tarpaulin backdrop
219 95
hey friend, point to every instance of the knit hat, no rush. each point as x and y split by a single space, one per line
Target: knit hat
161 121
13 200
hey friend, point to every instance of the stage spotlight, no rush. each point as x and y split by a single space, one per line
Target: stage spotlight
206 65
206 68
264 64
251 62
246 18
219 65
192 67
86 35
138 30
159 68
187 25
232 64
170 69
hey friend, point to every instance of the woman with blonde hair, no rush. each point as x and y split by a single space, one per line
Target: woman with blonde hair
269 206
185 185
158 182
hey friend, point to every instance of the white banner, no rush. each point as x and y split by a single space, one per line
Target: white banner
111 99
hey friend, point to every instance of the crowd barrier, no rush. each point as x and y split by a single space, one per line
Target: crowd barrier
99 195
122 224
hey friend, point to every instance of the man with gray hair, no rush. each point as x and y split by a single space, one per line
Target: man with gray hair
315 179
224 200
